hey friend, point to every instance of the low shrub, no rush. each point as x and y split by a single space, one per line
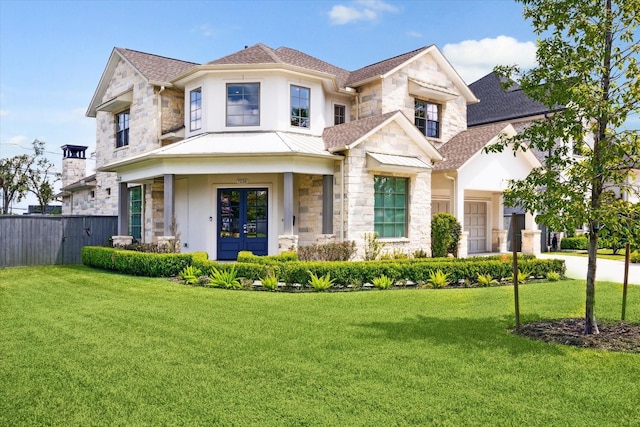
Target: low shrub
227 279
438 279
553 276
634 257
342 251
320 283
575 243
248 256
382 282
190 275
270 281
486 280
137 263
445 235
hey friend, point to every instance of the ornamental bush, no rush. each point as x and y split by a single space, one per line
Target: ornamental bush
445 235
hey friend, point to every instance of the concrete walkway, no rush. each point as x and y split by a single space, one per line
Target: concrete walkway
606 271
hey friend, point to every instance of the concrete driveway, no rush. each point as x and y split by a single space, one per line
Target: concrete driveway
606 270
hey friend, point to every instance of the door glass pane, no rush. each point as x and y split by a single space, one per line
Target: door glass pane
230 213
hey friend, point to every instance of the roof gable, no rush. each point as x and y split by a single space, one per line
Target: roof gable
155 69
262 54
465 145
498 104
349 135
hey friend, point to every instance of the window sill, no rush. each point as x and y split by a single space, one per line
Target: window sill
394 239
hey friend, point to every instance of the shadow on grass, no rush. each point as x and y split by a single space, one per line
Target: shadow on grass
468 334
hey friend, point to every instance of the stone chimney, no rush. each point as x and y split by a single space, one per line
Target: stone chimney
73 163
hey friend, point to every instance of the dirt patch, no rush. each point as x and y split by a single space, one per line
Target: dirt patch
613 336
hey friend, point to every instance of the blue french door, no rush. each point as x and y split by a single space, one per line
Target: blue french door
242 222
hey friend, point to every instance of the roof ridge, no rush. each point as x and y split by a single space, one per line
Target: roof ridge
415 52
120 49
271 52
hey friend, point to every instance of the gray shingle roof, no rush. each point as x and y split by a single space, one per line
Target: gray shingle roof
464 145
381 67
262 54
340 136
498 105
154 67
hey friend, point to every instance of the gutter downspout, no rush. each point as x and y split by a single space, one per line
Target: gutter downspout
342 186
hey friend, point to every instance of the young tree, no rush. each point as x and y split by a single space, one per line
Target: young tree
40 177
588 72
13 179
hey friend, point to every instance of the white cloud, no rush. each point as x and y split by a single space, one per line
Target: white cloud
474 59
204 30
362 10
414 34
4 113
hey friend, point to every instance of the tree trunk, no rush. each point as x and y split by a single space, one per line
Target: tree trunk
590 324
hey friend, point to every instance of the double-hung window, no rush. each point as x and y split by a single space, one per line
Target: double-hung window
122 129
195 109
339 112
243 104
427 118
135 212
390 206
300 103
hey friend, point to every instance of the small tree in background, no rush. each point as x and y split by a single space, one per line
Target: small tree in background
13 180
445 235
41 177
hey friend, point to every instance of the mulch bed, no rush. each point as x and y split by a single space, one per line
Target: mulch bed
613 336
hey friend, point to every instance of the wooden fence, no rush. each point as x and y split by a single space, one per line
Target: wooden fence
51 239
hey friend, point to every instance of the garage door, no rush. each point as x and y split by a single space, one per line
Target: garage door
475 223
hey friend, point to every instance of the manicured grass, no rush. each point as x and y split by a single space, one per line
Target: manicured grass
602 253
86 347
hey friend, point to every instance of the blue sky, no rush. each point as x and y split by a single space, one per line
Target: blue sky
52 53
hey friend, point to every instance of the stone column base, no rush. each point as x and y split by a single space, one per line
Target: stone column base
531 242
326 238
463 245
287 242
120 241
499 241
170 241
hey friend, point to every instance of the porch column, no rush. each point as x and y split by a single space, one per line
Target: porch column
530 236
498 233
327 204
169 203
123 209
288 203
458 211
123 238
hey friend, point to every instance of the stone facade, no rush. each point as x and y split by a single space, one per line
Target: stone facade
359 192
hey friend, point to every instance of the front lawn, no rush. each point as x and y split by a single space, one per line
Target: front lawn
86 347
602 254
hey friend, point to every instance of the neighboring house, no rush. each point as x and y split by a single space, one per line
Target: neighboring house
267 149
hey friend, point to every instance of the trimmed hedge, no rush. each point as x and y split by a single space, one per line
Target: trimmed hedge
138 263
359 272
290 271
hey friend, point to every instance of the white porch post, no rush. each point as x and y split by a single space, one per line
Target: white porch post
458 212
288 241
530 236
498 233
123 238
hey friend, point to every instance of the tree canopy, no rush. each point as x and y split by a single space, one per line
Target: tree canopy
587 73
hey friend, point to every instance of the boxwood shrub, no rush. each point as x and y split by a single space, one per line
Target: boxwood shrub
138 263
291 271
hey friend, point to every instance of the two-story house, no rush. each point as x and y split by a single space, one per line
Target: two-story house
267 149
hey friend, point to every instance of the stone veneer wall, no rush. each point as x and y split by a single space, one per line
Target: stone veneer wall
359 189
154 211
309 220
172 109
392 94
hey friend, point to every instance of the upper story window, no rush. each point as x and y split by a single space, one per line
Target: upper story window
300 106
243 104
339 112
195 108
122 129
427 118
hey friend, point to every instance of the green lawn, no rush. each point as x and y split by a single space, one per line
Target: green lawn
602 253
85 347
